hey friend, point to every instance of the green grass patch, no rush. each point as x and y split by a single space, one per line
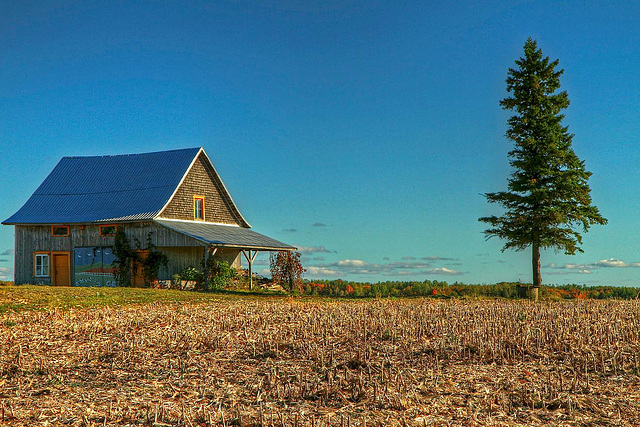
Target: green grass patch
30 297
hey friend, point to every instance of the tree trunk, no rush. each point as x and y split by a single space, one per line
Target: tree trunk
537 276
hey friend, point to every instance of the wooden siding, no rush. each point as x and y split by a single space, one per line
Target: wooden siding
181 258
202 181
182 251
232 256
160 236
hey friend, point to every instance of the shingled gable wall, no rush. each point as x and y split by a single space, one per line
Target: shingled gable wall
202 181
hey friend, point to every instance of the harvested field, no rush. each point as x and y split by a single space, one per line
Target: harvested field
253 362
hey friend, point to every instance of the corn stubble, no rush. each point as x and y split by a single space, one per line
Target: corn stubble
290 363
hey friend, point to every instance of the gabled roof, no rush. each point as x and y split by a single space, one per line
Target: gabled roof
131 187
224 235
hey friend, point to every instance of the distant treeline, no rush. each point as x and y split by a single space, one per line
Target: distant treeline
438 289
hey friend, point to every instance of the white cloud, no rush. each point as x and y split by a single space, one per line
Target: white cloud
567 272
314 250
351 263
320 271
351 267
403 273
589 267
615 263
574 266
6 269
444 271
437 258
368 271
408 265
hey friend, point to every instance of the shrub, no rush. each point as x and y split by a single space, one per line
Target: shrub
217 274
286 269
221 275
187 278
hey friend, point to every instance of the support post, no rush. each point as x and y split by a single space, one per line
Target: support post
250 256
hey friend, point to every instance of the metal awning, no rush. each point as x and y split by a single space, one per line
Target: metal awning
226 236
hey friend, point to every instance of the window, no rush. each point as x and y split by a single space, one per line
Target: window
60 230
198 207
41 264
107 230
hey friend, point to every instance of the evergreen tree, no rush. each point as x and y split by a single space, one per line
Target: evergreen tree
548 195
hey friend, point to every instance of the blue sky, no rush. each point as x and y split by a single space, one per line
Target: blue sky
363 132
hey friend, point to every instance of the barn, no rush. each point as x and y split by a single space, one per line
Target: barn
174 200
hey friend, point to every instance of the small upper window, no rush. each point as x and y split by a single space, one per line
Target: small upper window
41 264
198 207
107 230
60 230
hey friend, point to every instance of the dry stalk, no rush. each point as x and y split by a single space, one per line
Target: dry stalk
289 363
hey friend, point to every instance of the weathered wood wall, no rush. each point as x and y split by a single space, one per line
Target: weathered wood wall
232 256
182 251
183 257
179 259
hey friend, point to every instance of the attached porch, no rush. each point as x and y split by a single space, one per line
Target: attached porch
225 242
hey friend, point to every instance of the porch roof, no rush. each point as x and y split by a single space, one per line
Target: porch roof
225 235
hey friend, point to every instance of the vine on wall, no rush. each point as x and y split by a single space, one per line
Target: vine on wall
129 259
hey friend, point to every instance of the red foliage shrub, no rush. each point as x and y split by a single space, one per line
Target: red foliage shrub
286 269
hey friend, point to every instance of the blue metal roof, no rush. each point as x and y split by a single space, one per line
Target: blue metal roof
106 188
225 235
